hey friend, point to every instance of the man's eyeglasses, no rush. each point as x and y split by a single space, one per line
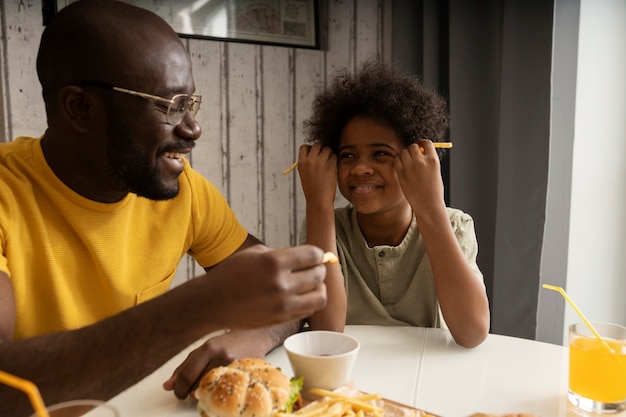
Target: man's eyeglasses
177 106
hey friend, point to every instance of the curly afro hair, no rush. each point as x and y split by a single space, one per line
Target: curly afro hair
380 92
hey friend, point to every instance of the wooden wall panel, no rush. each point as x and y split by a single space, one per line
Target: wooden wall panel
243 137
208 155
386 30
342 44
254 101
310 72
341 34
277 142
23 27
368 42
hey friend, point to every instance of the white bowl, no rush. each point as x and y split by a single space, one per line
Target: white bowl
325 359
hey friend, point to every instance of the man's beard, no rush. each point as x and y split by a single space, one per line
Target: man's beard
132 169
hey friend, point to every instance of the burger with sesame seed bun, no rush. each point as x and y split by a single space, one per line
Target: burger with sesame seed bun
247 387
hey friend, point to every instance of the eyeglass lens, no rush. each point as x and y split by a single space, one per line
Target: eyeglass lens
181 103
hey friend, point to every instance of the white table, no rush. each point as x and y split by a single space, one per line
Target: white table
420 367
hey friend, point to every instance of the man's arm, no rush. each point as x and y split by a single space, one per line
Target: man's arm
249 242
222 350
103 359
7 308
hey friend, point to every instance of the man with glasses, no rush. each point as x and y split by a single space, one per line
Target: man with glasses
96 215
174 108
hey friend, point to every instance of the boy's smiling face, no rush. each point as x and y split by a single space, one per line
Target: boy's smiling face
365 172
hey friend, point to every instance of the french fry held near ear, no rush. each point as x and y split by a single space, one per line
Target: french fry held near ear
439 145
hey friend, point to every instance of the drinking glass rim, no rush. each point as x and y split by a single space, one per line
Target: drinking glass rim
79 402
580 330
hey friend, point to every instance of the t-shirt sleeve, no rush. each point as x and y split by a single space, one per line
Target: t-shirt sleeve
217 231
463 225
4 265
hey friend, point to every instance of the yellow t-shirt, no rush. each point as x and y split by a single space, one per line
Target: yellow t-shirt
74 261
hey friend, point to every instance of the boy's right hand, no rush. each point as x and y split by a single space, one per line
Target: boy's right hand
317 167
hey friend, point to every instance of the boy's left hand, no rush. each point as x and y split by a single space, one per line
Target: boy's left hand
419 175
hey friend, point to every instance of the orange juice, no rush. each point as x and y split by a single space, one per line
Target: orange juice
594 372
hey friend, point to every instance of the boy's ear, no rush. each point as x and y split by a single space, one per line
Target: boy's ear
77 107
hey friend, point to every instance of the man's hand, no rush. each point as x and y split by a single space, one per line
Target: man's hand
254 288
260 287
217 351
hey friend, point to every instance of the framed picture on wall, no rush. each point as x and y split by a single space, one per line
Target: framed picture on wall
292 23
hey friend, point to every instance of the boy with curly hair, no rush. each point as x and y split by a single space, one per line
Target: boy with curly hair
406 258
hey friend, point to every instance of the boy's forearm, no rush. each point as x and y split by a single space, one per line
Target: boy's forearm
321 231
461 295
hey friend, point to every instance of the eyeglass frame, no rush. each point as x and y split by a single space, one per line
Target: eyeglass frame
192 106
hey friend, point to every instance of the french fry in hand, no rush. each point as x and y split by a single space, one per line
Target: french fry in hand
330 257
440 145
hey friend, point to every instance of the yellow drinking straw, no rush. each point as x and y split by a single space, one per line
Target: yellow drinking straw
441 145
580 313
29 389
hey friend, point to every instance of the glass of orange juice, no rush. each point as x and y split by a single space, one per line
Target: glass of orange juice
597 370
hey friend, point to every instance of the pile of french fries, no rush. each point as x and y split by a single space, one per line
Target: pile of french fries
334 404
356 404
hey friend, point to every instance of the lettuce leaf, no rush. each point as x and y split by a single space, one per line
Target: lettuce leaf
294 395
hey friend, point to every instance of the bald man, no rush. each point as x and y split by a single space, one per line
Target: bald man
96 215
